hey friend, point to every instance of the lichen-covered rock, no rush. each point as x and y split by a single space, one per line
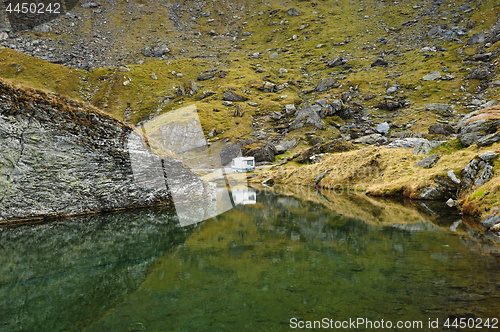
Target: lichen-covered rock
61 158
480 127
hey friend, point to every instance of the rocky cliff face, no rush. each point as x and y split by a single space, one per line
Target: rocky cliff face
58 157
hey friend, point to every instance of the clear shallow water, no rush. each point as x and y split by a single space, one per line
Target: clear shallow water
252 268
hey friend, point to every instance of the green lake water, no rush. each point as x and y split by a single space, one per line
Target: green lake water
306 256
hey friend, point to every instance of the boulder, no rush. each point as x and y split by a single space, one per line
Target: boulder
206 75
284 146
442 188
426 147
305 156
480 127
155 51
276 116
453 177
441 129
336 62
429 161
307 115
290 109
232 96
476 38
488 155
493 219
373 139
325 84
232 150
390 104
432 76
479 74
261 151
336 145
379 62
419 145
268 87
434 32
43 28
383 128
292 12
475 174
440 108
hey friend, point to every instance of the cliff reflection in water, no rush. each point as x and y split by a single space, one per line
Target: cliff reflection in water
306 255
61 276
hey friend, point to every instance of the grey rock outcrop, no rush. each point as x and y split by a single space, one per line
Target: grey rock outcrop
286 145
475 174
480 127
336 145
432 76
61 158
155 51
261 151
336 62
232 96
441 129
307 115
373 139
440 108
419 145
292 12
383 128
442 188
476 38
325 84
379 62
492 221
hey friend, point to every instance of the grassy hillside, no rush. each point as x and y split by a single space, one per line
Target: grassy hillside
247 44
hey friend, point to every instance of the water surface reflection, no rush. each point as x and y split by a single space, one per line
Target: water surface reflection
252 268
